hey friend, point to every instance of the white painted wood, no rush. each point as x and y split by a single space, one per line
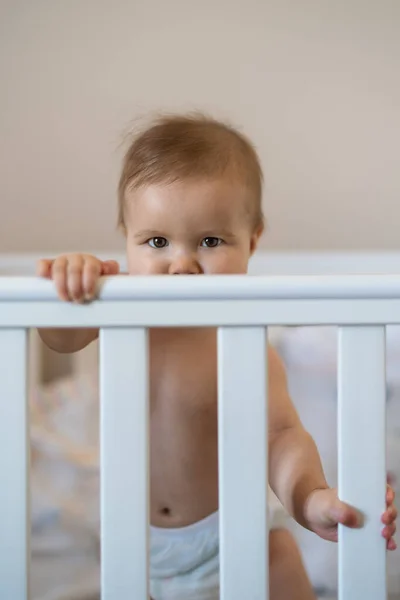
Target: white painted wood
14 466
202 313
216 287
362 468
124 426
243 468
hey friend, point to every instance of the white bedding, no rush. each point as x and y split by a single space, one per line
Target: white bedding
65 477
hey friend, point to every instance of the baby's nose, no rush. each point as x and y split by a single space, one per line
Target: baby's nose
185 265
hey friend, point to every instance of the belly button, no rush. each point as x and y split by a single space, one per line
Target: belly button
165 511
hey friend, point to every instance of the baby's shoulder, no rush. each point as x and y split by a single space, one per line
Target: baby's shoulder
276 368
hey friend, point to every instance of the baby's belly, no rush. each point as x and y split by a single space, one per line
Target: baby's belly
183 467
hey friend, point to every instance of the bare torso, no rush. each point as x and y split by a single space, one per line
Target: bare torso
183 426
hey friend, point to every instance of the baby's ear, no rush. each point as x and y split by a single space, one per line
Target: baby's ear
255 238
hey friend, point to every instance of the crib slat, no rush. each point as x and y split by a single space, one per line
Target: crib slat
242 431
124 463
14 466
362 468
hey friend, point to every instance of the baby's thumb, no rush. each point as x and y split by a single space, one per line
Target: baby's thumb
110 267
344 514
43 267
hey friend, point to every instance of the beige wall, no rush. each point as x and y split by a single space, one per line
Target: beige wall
316 83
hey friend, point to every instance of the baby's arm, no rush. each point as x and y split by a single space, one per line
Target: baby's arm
75 277
67 341
296 474
295 468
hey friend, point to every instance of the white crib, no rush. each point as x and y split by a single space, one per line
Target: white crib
242 308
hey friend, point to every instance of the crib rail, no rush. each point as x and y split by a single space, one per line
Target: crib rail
242 308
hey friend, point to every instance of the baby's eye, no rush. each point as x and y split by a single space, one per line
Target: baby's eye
158 242
211 242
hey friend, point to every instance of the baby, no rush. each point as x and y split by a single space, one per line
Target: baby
190 204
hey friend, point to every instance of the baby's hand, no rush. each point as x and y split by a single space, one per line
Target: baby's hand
76 275
324 511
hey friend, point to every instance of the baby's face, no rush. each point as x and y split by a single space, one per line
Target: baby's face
189 228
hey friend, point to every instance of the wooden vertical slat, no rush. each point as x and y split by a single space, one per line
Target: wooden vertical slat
243 481
14 466
362 464
124 432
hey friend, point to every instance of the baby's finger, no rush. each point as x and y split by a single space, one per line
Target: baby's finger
74 277
59 275
391 545
389 531
91 274
346 515
390 495
351 518
390 515
43 268
110 267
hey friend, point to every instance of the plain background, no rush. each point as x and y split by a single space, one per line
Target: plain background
315 84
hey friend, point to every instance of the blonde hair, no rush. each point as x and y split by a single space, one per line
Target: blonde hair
181 147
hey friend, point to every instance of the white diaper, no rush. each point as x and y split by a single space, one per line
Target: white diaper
184 562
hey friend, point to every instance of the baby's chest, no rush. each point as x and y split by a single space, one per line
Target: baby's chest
184 378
